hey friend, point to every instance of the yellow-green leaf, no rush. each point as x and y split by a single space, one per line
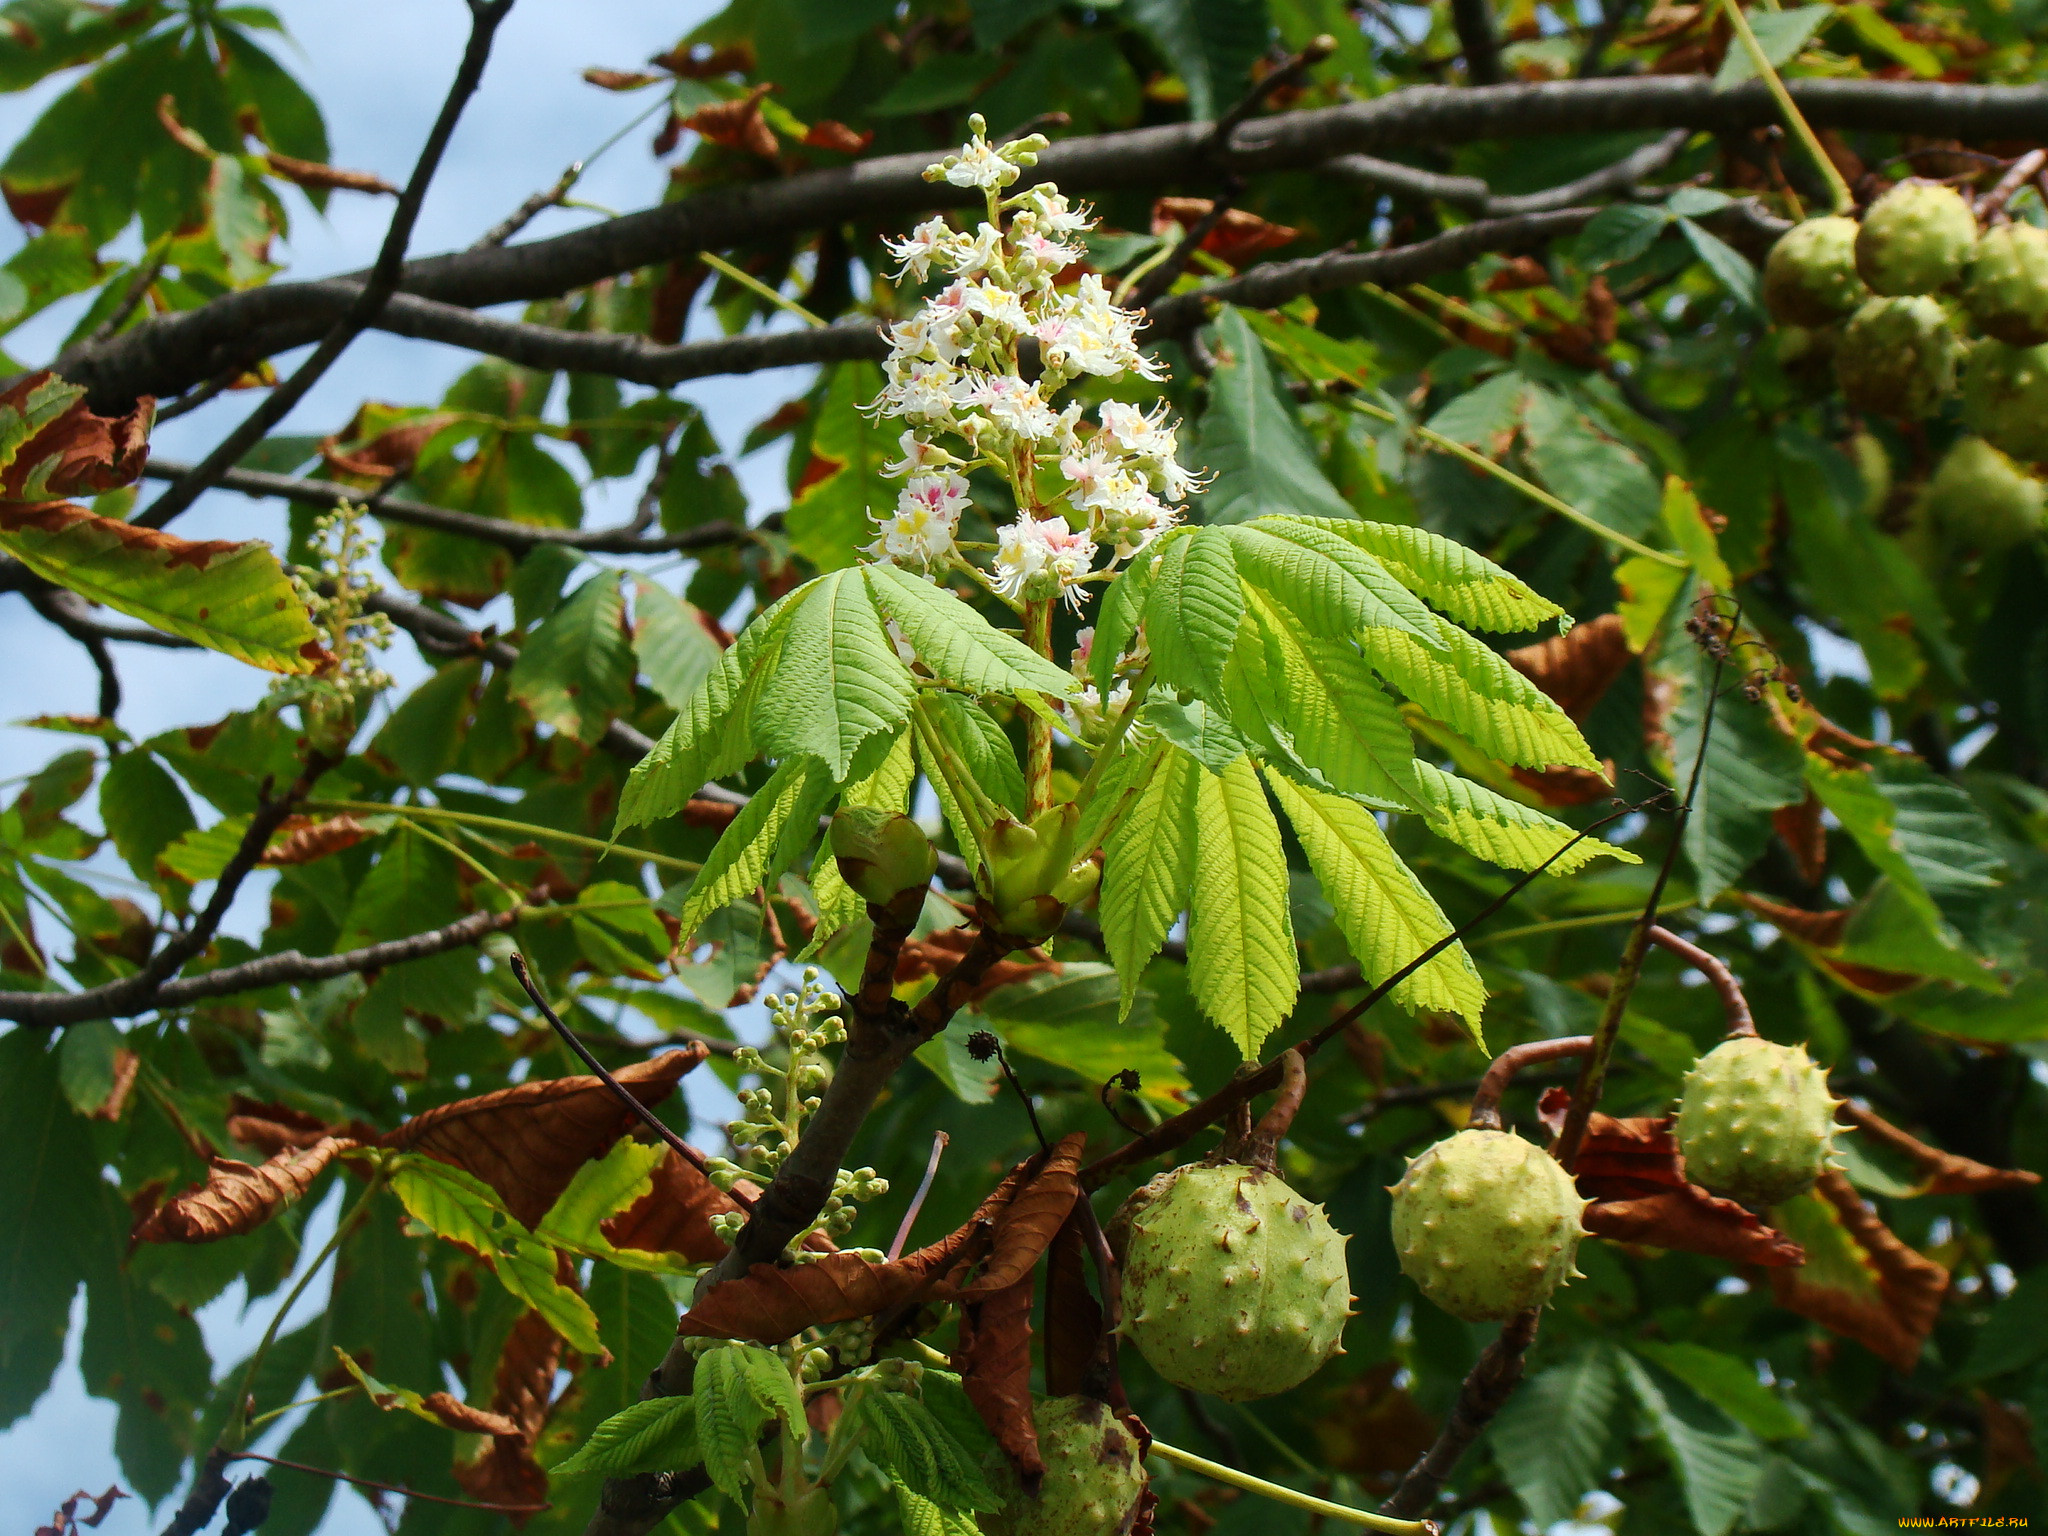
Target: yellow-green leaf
1241 959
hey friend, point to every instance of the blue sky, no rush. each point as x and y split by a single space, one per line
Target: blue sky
379 69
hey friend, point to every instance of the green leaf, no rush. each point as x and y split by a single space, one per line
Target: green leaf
1252 440
900 1435
1192 614
1241 960
830 519
837 680
1327 581
453 1203
1486 416
676 651
957 644
1116 622
1752 769
1467 586
1211 45
48 1203
1782 35
2015 1335
1384 912
1730 1384
618 931
713 735
921 1517
1197 730
1585 467
1622 231
528 1270
1717 1461
1731 269
232 598
1687 523
144 811
942 80
658 1435
1075 1021
1148 865
575 672
601 1188
886 789
729 1415
1504 831
1472 690
775 1390
1882 34
425 732
761 842
1561 1432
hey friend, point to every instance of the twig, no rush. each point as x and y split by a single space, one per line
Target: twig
649 505
1838 189
940 1141
1486 1389
204 394
1475 196
549 197
1160 277
402 1491
1733 1002
1425 1093
138 289
983 1044
2023 170
754 285
1283 1495
1472 20
485 15
620 1091
1486 1097
496 530
1289 74
209 1487
1262 1147
1593 1075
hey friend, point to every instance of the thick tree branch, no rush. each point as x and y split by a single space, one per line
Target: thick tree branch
1475 196
170 353
383 281
493 530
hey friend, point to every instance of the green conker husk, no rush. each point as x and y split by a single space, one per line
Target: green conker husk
1756 1122
1094 1477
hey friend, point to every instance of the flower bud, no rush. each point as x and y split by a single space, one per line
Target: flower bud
885 858
1032 876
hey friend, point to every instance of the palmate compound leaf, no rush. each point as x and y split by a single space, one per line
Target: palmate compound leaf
1192 613
229 597
1331 586
1384 912
957 644
576 671
1504 831
1464 584
1148 864
1558 1435
758 844
1241 960
1718 1462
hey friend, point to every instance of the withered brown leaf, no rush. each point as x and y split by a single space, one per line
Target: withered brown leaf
1940 1172
527 1141
505 1471
1873 1289
1073 1317
301 840
238 1197
1028 1221
1576 669
76 452
993 1357
770 1303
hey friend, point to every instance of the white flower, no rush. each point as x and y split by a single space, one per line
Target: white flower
1141 435
922 528
1049 209
914 255
978 165
999 305
1014 406
982 253
919 454
1037 555
921 391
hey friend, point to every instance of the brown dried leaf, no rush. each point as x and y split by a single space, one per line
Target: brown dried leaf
1566 786
457 1414
1940 1172
326 178
674 1216
737 124
1372 1428
67 1519
301 840
68 449
1073 1317
1805 836
126 1065
1031 1218
1823 931
1578 668
238 1198
1872 1288
830 134
383 455
938 952
505 1471
618 79
1238 235
527 1142
2008 1437
993 1358
1632 1172
769 1304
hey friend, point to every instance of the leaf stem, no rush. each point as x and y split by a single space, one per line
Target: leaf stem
1282 1495
503 824
1838 188
1037 729
748 280
1507 476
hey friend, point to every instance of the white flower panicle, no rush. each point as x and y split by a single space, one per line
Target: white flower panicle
955 371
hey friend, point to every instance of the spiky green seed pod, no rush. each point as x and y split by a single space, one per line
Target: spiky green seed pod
885 858
1981 500
2005 398
2007 294
1917 238
1233 1284
1897 358
1756 1122
1487 1224
1810 277
810 1514
1093 1477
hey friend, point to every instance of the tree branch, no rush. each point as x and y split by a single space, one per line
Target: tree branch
170 353
1475 196
1473 22
1487 1387
494 530
384 278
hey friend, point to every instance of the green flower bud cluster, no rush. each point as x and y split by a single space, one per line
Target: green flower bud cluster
336 591
1030 874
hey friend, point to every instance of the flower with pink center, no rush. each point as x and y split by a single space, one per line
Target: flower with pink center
922 529
920 456
1036 557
